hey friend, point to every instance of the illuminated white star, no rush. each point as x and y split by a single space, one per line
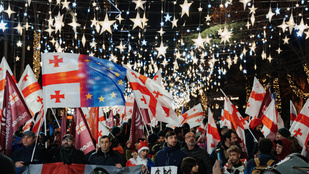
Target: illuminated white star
113 58
200 9
119 18
225 35
84 40
269 58
177 55
245 2
161 50
252 9
167 17
94 22
244 51
208 18
144 20
279 50
270 14
19 43
120 47
49 30
3 25
307 34
283 26
207 39
199 42
9 11
137 21
301 27
58 22
74 24
291 23
252 19
248 25
53 41
93 44
263 55
106 24
286 40
161 32
65 4
19 29
185 8
50 21
139 4
174 22
165 62
253 47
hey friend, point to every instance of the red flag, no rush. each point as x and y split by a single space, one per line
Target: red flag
38 121
213 136
137 130
293 113
83 140
265 103
256 98
92 118
15 114
110 120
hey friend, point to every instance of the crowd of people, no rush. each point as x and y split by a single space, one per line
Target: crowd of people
183 147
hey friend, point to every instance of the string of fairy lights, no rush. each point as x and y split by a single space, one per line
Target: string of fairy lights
194 57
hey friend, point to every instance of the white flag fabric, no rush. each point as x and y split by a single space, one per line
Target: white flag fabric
193 117
128 108
255 100
150 95
213 136
31 90
293 113
300 126
158 77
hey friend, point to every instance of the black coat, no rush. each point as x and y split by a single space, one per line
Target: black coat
202 158
110 158
66 156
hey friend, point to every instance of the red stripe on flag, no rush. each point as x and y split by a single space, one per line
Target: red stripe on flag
303 119
31 89
2 82
269 124
214 132
192 116
257 96
60 78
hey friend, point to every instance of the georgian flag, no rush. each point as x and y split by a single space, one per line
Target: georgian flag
293 113
213 136
150 95
128 108
300 126
255 100
193 117
31 90
272 121
158 77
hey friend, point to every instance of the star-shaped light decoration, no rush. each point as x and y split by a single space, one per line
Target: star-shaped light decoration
177 55
119 18
49 30
74 24
58 22
106 24
194 60
3 25
283 26
93 44
167 17
235 59
269 58
161 32
65 4
17 58
200 9
165 62
252 19
185 8
161 50
144 20
139 4
58 2
301 27
286 40
245 2
225 35
113 58
291 23
9 11
84 40
307 34
229 62
279 50
199 42
174 22
248 25
19 43
208 18
19 29
94 21
270 14
137 21
144 42
253 47
263 55
53 41
207 40
120 47
50 21
244 51
252 9
277 11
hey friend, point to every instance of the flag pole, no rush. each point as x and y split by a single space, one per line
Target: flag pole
32 156
55 117
45 109
255 140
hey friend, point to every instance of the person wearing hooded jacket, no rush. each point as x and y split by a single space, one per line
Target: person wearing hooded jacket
256 126
283 148
170 155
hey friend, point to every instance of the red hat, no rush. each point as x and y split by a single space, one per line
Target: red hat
143 145
255 122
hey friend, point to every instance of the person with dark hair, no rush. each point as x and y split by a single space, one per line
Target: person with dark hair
105 155
256 126
228 138
234 164
67 153
189 165
170 155
285 133
265 157
186 125
283 148
22 156
161 136
193 150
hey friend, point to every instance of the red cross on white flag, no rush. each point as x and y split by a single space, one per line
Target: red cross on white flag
193 117
293 113
213 136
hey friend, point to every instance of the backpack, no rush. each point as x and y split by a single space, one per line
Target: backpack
258 168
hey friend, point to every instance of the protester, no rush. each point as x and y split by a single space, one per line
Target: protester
253 137
67 153
285 133
142 158
105 155
228 138
170 155
22 156
189 165
283 148
234 164
7 165
191 149
264 158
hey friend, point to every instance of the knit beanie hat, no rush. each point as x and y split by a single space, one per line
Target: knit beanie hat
284 132
143 145
255 122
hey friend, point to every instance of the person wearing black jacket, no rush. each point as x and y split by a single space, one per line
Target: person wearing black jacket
191 149
105 155
67 152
